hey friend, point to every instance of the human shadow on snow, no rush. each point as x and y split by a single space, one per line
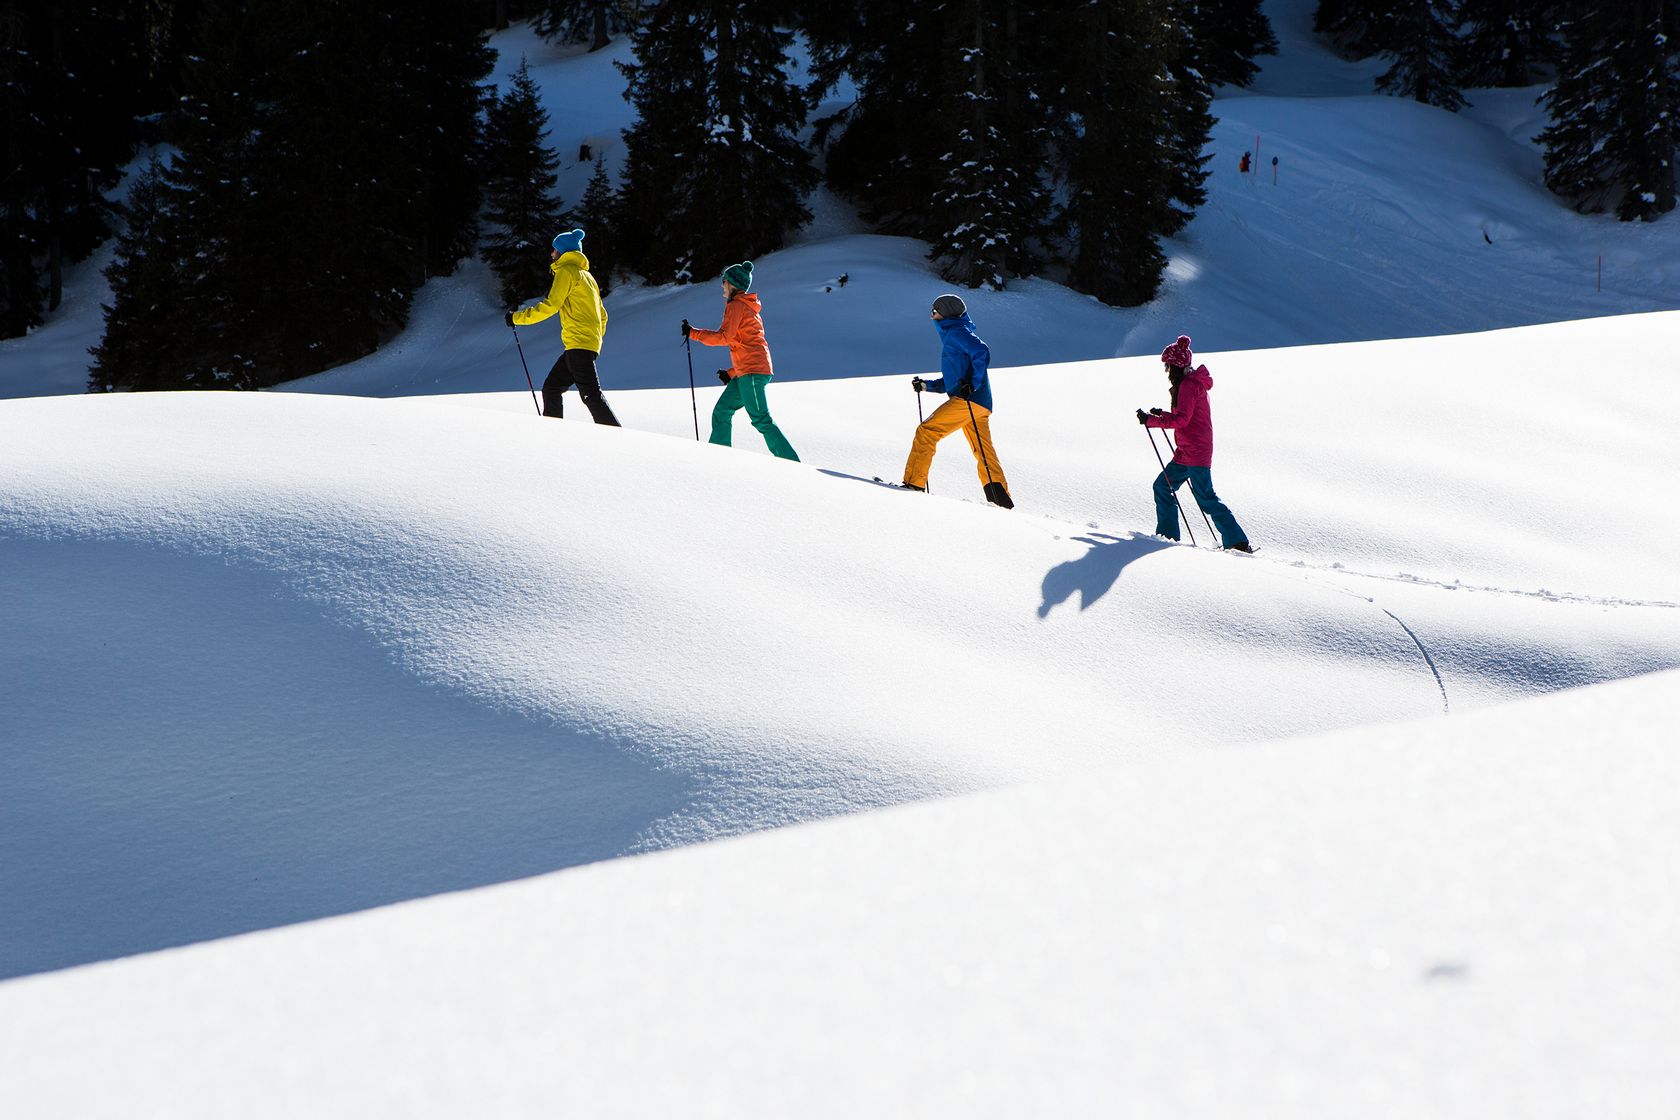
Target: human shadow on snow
1094 573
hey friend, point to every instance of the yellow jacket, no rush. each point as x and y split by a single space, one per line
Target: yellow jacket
583 317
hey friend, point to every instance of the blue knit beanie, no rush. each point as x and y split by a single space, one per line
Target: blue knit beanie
569 242
740 275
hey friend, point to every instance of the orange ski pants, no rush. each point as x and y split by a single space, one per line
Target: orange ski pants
974 420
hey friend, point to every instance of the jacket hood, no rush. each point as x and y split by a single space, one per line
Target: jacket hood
953 322
749 298
1200 376
575 257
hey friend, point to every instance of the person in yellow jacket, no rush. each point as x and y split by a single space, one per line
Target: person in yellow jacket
583 324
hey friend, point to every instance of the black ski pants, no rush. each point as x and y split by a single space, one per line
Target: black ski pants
576 367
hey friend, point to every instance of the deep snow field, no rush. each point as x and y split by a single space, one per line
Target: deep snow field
330 713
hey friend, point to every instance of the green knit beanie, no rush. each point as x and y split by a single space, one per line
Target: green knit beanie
740 275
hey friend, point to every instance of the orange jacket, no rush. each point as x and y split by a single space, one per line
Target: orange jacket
743 332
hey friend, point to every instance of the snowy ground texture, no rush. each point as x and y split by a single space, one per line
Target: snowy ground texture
348 705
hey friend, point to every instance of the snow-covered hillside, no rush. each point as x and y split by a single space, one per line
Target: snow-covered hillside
275 657
252 633
1455 919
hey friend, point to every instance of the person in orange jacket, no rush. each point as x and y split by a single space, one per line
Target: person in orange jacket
742 331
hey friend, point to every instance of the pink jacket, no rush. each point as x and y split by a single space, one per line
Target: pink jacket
1193 419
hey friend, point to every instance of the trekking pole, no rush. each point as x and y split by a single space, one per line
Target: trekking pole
693 401
919 424
1205 520
1174 490
975 424
528 380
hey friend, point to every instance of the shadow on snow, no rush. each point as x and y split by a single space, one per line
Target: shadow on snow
1092 575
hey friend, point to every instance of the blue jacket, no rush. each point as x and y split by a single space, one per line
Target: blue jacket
963 362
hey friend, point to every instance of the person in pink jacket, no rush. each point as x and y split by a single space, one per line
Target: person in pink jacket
1192 417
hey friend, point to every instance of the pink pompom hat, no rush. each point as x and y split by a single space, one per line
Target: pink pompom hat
1178 354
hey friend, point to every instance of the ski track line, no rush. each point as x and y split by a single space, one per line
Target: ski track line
1543 594
1050 523
1446 705
1428 659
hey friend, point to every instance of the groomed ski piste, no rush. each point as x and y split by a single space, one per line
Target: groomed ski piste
381 748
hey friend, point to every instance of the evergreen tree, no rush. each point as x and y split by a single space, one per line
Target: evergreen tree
947 139
132 352
1613 109
1136 122
22 138
1359 28
1087 99
597 21
1506 42
296 231
68 78
1424 47
597 216
879 147
714 168
434 81
992 202
186 290
1227 36
522 211
340 214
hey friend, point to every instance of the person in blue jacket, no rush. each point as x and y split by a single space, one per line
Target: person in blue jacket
962 362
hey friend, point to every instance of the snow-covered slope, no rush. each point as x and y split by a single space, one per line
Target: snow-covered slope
277 656
1453 919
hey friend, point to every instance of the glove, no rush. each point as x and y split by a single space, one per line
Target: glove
723 376
686 328
917 384
1157 412
1143 416
508 318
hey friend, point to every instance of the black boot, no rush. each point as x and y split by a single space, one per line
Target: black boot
998 496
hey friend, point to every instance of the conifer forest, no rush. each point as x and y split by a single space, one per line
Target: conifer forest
297 169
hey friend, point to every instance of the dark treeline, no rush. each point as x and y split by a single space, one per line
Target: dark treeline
326 164
714 171
1614 99
319 159
75 82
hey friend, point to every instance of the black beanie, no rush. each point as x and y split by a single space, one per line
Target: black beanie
950 306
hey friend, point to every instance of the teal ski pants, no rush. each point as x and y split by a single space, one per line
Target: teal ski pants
747 391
